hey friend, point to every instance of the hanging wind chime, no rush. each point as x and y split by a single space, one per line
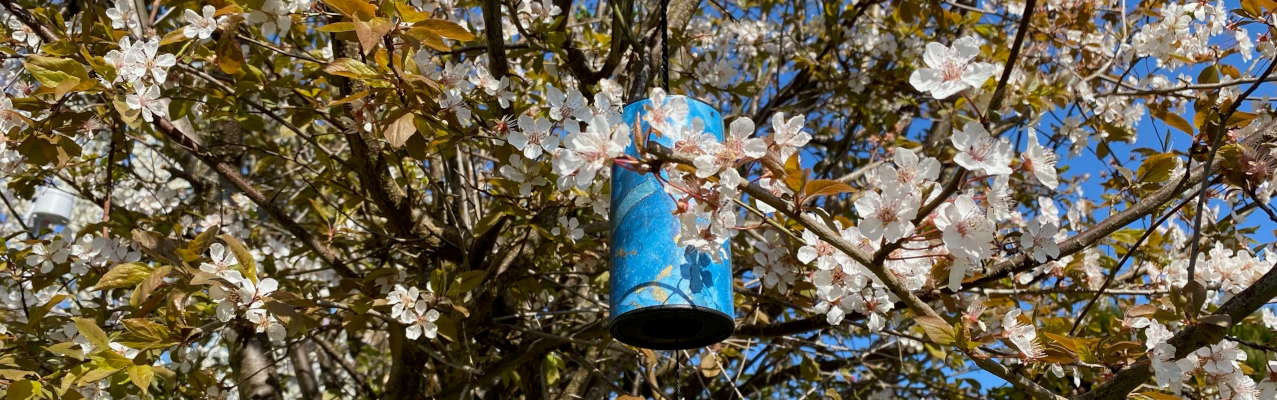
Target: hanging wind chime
663 296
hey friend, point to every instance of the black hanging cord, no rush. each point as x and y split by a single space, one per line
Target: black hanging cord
678 377
665 46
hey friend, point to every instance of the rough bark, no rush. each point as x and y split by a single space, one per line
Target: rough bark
300 357
254 366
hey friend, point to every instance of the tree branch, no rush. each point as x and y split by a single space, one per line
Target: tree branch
233 176
30 21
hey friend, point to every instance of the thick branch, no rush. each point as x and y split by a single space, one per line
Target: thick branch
30 21
1191 338
253 366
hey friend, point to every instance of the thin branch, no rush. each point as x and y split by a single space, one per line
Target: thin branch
1000 92
346 365
267 46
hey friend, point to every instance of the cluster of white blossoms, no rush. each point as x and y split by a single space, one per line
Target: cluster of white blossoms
705 210
460 80
578 140
1183 32
124 16
411 306
844 286
137 64
244 295
776 267
275 16
88 251
1022 335
1220 362
1234 271
961 230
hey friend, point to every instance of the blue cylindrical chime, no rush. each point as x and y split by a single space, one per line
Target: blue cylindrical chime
664 296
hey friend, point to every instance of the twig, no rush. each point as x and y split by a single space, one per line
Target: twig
1251 344
106 204
281 51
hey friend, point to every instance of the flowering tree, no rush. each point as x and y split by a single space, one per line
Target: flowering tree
409 199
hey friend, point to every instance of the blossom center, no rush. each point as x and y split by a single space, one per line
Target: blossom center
952 70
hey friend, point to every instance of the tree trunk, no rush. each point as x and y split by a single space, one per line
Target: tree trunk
406 379
254 367
300 357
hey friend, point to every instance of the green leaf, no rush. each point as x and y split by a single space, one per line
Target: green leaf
38 313
98 373
90 330
937 329
354 8
351 69
205 239
123 275
68 349
809 369
709 366
1196 296
141 376
148 285
243 256
146 328
176 36
409 13
23 390
470 280
106 70
1173 120
337 27
111 359
447 328
156 245
1065 341
446 28
54 72
1157 168
1142 310
1241 119
1210 74
230 57
428 38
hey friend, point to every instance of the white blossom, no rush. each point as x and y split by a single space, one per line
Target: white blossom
201 26
979 151
950 69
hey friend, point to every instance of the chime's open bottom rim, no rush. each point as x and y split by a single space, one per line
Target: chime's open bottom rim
672 327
